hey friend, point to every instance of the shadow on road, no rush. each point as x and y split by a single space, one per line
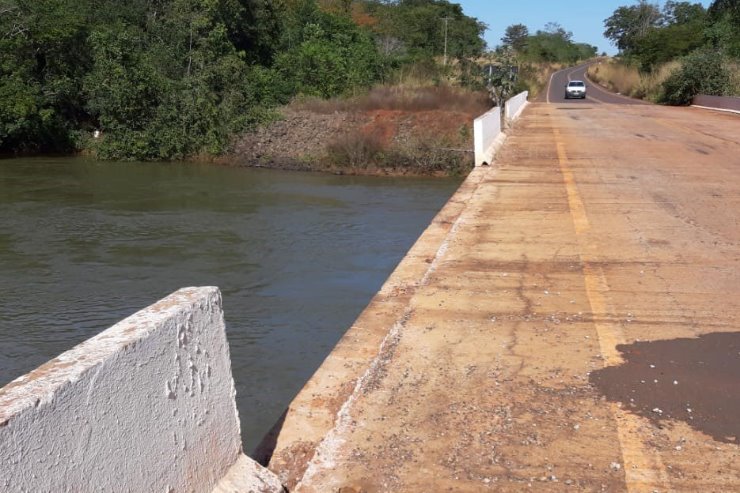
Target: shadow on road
692 380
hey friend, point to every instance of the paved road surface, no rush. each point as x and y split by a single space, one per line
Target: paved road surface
569 322
595 94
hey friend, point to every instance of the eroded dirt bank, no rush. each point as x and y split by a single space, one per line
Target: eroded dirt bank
426 131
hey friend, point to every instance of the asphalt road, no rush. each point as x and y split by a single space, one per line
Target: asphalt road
595 93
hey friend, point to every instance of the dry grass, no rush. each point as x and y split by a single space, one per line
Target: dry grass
419 154
405 129
616 77
537 76
357 149
403 98
627 80
734 68
651 85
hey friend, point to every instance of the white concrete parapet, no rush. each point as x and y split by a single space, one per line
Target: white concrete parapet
147 405
515 106
487 136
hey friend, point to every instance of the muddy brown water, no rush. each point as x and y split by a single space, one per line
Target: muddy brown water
691 380
297 256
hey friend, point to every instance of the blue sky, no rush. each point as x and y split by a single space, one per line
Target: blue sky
586 21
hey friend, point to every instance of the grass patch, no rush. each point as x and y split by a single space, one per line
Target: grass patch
403 98
534 77
355 149
734 69
627 80
419 154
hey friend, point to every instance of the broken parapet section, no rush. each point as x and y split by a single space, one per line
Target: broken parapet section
147 405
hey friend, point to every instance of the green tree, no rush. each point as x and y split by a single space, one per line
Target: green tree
43 54
165 79
661 45
723 31
516 36
628 24
420 25
327 55
555 44
676 13
701 72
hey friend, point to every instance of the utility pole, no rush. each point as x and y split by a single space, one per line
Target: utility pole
446 19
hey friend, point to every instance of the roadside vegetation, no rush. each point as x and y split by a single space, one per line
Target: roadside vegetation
628 80
419 119
398 82
671 53
417 128
168 79
538 55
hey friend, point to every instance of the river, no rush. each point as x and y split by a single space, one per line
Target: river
297 256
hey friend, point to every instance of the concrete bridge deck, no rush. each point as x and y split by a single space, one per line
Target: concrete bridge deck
569 322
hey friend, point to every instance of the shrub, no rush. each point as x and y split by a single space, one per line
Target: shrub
403 98
616 77
626 79
424 157
357 149
701 72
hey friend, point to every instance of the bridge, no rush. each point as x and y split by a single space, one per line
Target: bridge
568 321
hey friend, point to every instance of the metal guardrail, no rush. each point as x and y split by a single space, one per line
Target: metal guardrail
717 102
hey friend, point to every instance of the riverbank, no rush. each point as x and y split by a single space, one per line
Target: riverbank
389 131
402 130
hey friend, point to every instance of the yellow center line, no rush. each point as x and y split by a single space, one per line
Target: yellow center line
643 468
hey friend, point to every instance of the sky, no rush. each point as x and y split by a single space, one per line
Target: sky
586 21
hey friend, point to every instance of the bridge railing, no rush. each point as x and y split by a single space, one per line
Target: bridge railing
147 405
723 103
487 128
487 134
515 106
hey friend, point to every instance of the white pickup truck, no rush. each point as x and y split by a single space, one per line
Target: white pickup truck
575 89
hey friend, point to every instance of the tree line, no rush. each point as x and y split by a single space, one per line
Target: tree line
553 44
706 40
166 79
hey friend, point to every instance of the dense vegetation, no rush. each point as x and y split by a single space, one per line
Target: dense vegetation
537 55
164 79
553 44
706 42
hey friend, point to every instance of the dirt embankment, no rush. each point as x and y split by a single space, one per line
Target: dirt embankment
389 131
